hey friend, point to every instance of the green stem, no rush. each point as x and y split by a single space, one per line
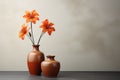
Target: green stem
30 39
32 33
40 38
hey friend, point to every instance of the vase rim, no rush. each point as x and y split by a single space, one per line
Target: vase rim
35 45
50 56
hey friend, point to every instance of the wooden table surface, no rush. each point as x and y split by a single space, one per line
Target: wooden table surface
63 75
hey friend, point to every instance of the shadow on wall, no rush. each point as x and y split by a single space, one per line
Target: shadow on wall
97 25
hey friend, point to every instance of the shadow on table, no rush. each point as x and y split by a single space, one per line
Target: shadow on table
44 78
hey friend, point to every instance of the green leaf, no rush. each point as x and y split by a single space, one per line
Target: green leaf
29 34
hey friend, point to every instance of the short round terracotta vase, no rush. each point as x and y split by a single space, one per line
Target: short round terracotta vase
34 59
50 67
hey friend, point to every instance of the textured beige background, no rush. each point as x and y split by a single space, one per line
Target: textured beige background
87 36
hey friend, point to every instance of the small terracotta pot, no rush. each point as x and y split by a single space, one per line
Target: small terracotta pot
34 59
50 67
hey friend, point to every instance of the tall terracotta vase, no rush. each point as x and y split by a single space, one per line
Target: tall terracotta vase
34 59
50 67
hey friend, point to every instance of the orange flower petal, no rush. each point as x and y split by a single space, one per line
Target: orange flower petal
51 24
23 31
49 32
45 23
47 27
35 13
31 16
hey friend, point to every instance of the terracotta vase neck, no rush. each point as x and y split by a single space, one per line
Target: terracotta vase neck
36 47
50 57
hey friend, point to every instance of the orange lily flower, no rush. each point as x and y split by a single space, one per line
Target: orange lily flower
31 16
23 31
47 27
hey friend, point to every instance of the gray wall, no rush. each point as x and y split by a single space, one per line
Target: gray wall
87 36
